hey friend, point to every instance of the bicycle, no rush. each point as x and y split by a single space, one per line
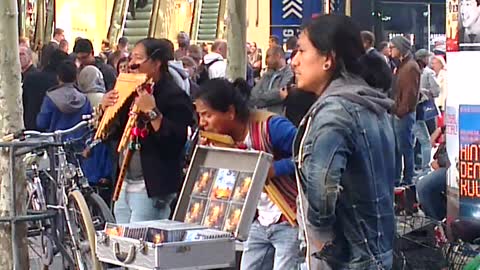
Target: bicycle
77 242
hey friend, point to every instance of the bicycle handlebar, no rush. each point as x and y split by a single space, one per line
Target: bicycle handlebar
54 135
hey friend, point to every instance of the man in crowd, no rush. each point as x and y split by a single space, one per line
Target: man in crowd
266 94
84 52
183 42
58 35
291 47
405 92
273 41
120 52
377 73
64 46
26 61
36 84
215 62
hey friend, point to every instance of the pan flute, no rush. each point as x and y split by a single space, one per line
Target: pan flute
126 86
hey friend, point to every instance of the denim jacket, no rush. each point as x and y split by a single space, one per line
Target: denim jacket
344 152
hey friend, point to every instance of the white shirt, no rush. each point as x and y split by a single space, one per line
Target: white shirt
268 212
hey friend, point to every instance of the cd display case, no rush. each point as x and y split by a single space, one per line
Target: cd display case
165 244
222 189
215 208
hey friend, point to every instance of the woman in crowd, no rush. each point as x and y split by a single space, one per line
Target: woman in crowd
344 151
440 68
222 108
97 165
154 173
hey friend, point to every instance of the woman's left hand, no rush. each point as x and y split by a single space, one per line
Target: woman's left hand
145 102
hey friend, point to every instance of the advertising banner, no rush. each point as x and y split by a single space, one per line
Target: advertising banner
462 123
469 160
452 25
286 16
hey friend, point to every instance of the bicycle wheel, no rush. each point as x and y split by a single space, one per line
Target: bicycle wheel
83 230
99 211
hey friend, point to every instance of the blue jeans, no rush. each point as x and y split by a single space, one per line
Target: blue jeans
420 131
403 128
431 190
137 206
274 247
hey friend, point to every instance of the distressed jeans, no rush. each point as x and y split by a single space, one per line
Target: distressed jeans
274 247
420 131
403 128
137 206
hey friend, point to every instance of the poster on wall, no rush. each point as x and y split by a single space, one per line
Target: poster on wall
469 161
452 25
451 132
468 23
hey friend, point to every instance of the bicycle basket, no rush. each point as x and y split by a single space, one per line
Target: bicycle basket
458 254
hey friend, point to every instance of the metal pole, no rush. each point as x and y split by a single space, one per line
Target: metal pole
348 7
326 7
429 28
13 210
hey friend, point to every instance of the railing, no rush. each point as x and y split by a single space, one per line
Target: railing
117 20
152 27
221 18
197 10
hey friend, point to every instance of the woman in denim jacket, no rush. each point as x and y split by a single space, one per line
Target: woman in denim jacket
344 152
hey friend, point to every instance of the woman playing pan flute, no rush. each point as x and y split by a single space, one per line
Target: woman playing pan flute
154 172
223 108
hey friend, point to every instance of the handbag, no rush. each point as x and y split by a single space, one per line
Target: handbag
427 110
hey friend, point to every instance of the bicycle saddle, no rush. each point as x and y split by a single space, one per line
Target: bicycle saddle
467 230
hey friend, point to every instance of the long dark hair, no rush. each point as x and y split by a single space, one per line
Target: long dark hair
220 94
158 50
339 36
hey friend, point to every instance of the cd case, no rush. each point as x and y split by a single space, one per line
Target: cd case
221 194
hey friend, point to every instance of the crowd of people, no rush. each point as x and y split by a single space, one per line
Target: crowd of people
340 115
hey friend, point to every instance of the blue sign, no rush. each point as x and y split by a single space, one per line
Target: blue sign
286 16
469 161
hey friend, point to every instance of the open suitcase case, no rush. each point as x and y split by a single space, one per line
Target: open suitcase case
215 208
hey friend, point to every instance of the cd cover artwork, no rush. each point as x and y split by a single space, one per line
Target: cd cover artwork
224 184
233 218
195 210
243 186
215 215
204 181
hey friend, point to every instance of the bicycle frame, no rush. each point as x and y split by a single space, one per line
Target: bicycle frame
65 184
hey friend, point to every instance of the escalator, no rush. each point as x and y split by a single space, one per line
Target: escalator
135 28
207 20
156 19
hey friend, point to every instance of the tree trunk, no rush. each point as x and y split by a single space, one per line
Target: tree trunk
11 120
237 39
39 27
49 21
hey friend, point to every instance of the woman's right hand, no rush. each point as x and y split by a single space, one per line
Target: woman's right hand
109 99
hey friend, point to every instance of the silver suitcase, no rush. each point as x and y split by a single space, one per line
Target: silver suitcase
195 247
215 208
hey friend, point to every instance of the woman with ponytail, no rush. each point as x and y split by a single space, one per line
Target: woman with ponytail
223 108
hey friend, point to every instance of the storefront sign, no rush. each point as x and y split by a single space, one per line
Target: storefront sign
288 15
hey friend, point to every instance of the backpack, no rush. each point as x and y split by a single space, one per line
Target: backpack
203 70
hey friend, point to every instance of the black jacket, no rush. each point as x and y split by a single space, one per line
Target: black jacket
162 152
376 71
35 85
108 72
